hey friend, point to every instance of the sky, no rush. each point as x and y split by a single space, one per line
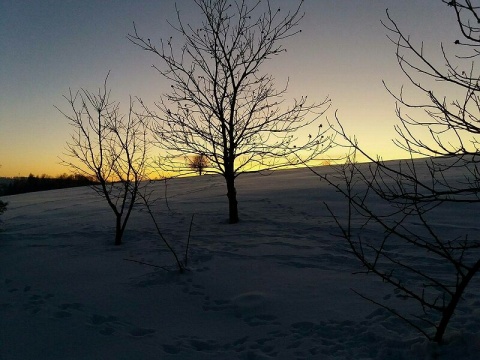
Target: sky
50 46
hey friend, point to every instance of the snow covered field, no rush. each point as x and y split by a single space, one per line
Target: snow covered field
275 286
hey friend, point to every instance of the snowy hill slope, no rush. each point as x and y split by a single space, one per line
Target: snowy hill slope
275 286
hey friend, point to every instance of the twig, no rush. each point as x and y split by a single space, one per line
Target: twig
188 242
144 263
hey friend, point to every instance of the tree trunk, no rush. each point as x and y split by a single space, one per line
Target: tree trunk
232 200
457 296
118 230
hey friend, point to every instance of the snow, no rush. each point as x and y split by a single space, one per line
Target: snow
278 285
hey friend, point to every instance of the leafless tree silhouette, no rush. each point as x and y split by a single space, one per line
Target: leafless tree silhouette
109 147
198 163
403 199
221 104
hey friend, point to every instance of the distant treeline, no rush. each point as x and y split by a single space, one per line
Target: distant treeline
20 185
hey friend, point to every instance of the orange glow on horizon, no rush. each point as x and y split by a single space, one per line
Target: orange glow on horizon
22 168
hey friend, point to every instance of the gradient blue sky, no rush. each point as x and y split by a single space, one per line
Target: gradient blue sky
49 46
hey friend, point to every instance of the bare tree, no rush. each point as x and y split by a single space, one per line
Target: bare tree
109 147
221 103
198 163
423 261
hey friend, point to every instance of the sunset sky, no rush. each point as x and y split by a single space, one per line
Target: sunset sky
50 46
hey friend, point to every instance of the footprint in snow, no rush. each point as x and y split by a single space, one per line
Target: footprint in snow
140 332
36 301
111 324
252 307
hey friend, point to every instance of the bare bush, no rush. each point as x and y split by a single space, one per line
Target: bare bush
3 206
